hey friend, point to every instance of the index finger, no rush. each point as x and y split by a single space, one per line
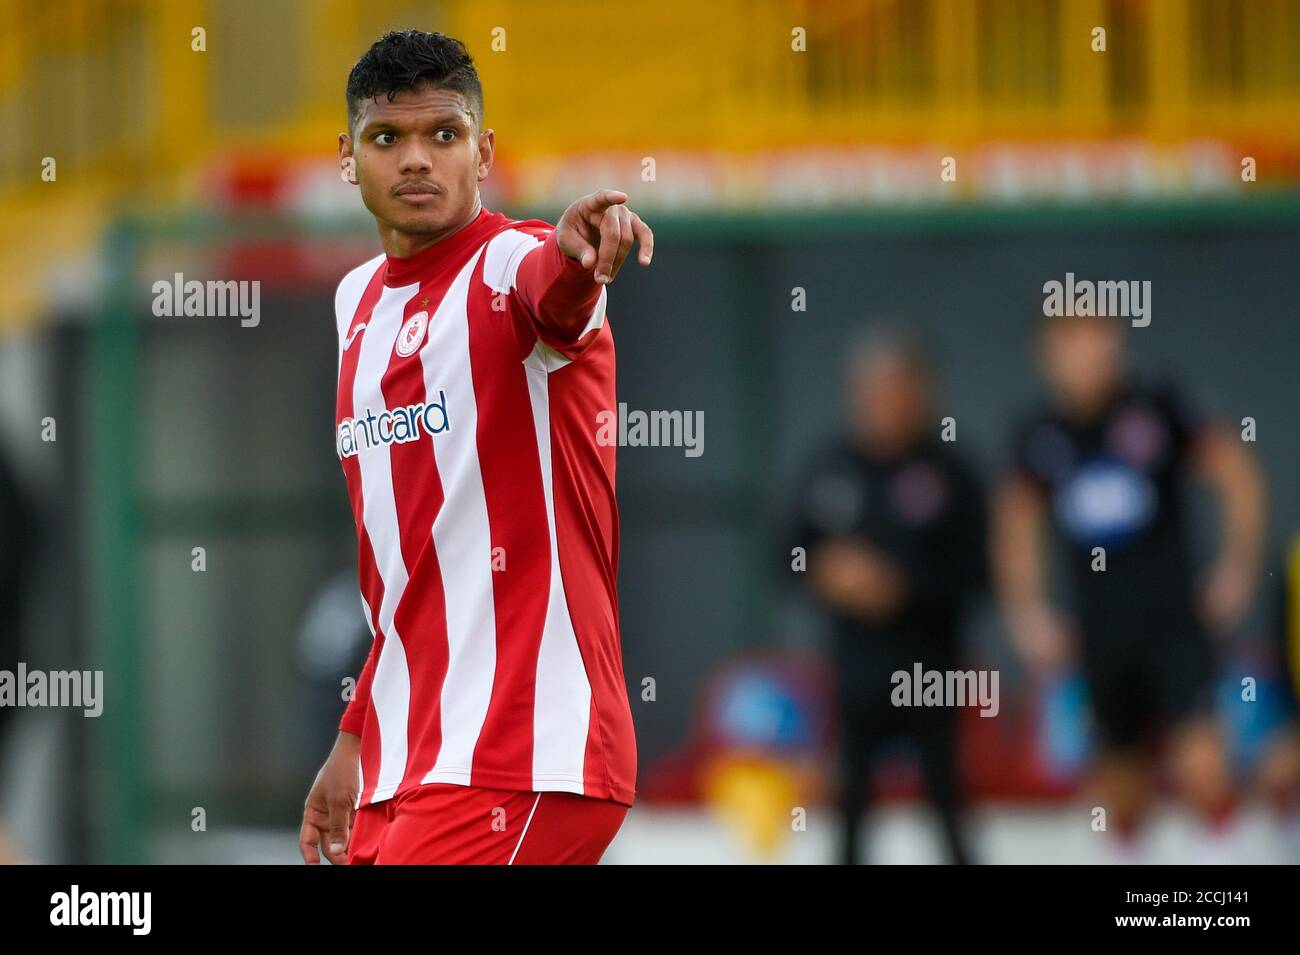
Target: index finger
602 199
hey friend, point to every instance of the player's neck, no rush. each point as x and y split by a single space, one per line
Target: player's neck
404 245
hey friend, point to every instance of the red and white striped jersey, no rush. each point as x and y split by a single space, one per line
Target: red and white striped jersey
470 379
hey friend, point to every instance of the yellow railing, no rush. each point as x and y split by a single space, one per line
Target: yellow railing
115 85
114 91
113 88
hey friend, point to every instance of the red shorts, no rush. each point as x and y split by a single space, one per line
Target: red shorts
448 824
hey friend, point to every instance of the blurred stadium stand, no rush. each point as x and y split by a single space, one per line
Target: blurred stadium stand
113 91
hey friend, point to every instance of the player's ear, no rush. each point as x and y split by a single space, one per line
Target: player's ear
486 152
347 162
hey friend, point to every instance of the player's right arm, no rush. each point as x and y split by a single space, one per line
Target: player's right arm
1039 633
354 714
331 804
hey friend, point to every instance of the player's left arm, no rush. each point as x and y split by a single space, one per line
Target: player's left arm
598 231
1234 473
561 283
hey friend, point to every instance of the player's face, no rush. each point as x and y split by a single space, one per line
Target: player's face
889 400
1083 358
419 159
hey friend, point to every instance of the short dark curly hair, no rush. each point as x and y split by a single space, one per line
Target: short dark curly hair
410 60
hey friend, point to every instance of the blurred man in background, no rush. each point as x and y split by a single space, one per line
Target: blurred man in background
892 523
1103 464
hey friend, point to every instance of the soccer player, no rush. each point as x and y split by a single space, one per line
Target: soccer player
491 721
1104 466
892 521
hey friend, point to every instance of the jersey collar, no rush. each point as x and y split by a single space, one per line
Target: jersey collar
445 252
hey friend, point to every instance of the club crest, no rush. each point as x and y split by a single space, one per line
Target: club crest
412 334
